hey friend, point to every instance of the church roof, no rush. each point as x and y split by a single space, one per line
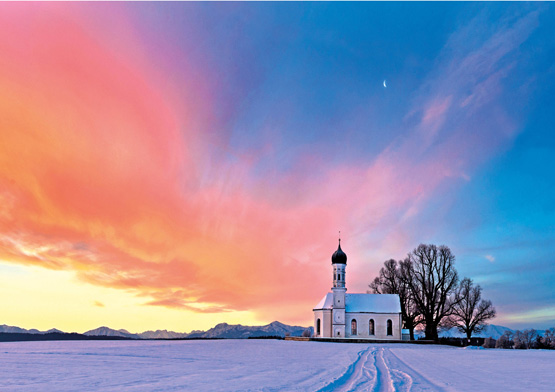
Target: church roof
365 303
375 303
325 303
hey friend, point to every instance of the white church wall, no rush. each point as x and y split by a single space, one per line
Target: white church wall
325 317
338 331
380 325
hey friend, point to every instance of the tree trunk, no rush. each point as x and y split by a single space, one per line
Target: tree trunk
431 331
468 334
410 326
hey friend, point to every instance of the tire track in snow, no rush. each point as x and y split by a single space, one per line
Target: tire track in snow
370 372
360 372
415 376
400 381
383 374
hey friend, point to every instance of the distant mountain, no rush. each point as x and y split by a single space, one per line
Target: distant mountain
54 330
105 331
162 334
227 331
9 329
220 331
490 331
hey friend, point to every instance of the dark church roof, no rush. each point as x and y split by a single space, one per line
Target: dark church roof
339 257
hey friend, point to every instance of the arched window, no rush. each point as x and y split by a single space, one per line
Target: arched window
353 327
318 327
371 327
389 328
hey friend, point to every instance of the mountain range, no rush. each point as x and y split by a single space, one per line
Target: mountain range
220 331
227 331
9 329
491 331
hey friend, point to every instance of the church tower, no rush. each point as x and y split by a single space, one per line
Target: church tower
339 263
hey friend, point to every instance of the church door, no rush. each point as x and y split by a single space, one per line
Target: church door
353 327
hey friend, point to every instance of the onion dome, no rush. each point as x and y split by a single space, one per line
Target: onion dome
339 257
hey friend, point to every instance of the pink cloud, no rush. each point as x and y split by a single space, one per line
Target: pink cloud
105 173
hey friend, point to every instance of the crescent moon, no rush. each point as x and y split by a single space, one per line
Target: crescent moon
385 85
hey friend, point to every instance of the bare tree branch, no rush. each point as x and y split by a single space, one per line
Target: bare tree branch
470 313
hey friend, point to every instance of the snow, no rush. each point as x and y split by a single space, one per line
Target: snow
267 365
359 303
375 303
325 303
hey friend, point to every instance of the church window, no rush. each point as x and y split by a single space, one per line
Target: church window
389 328
339 277
318 327
353 327
371 327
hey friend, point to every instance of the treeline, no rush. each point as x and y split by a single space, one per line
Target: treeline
527 339
431 293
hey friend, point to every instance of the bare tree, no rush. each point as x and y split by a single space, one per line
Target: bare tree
489 342
390 282
505 340
529 336
548 338
519 340
470 312
430 274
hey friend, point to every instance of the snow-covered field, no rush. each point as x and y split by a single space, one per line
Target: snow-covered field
268 365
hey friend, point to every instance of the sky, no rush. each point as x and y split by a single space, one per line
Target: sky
177 165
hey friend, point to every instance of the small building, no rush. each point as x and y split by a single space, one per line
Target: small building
360 316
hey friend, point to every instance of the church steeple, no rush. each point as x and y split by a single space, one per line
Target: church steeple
339 262
339 257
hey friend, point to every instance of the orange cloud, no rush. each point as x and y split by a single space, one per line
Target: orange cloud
104 172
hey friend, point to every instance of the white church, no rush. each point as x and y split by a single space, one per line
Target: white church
356 316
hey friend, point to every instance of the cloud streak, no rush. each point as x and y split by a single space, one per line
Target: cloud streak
106 170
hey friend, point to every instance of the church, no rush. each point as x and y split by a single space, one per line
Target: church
356 316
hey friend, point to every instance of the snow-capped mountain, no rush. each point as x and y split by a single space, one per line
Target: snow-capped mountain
490 331
227 331
220 331
105 331
9 329
238 331
162 334
54 330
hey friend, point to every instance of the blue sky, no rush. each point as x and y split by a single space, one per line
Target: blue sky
193 162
